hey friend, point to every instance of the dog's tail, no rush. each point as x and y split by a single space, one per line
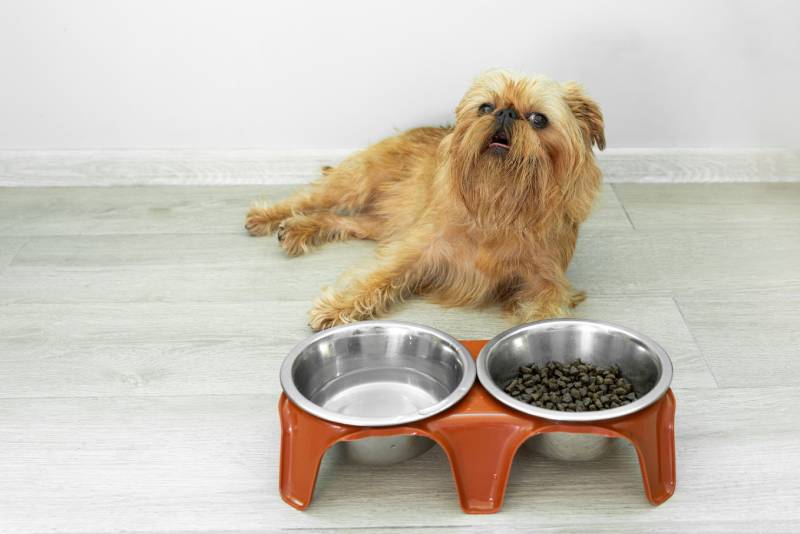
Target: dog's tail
577 298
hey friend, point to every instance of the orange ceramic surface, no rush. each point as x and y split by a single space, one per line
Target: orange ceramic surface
480 436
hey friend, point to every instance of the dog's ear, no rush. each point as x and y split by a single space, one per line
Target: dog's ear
587 112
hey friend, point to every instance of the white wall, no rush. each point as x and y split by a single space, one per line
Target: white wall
340 73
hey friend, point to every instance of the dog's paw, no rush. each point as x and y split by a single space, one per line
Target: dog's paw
550 313
528 313
296 234
327 312
262 220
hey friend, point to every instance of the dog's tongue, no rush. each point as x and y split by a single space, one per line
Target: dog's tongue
499 140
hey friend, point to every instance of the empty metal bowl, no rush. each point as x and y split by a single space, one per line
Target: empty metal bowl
640 359
382 450
375 374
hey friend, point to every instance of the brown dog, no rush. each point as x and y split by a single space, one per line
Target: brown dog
485 211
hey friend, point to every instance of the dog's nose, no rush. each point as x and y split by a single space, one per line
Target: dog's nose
506 116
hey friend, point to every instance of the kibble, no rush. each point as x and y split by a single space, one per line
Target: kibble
572 387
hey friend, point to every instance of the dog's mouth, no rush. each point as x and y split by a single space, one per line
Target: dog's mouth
500 142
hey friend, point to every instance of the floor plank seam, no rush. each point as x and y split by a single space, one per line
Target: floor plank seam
308 303
121 234
694 340
274 394
372 528
622 205
14 254
142 397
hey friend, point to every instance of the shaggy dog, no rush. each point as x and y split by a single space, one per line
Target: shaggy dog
481 212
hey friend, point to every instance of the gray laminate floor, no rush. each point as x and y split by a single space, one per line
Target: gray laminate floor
141 332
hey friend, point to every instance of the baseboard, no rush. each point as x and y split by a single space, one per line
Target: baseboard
257 166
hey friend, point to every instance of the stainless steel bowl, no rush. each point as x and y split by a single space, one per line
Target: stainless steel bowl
375 374
641 360
382 450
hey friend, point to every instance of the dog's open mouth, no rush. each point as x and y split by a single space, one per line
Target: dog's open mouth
500 142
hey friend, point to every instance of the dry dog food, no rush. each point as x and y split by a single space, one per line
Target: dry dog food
571 387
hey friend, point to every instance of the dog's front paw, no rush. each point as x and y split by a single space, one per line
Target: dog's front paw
328 311
528 313
296 234
262 220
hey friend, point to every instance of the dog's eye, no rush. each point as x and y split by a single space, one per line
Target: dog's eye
485 108
538 120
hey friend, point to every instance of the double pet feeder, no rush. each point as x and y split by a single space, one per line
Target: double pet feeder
386 391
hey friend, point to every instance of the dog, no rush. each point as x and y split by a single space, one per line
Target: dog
485 211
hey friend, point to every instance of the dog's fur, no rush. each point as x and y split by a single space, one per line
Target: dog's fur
458 220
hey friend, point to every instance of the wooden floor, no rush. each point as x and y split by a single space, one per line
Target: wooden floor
141 331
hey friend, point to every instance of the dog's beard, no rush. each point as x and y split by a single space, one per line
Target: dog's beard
508 190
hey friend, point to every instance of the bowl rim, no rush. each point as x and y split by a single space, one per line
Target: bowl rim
303 402
656 392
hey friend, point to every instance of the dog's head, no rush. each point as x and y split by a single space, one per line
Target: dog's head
522 146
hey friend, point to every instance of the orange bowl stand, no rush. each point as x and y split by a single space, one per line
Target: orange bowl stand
480 437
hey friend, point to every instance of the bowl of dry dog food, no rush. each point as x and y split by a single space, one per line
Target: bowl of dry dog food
574 371
378 374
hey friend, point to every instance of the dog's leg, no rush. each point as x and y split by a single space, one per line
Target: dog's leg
296 234
371 295
343 188
264 219
546 294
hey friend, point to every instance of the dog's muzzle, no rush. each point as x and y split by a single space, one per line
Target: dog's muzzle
501 139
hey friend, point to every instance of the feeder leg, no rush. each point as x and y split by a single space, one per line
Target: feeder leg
304 440
652 432
480 458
